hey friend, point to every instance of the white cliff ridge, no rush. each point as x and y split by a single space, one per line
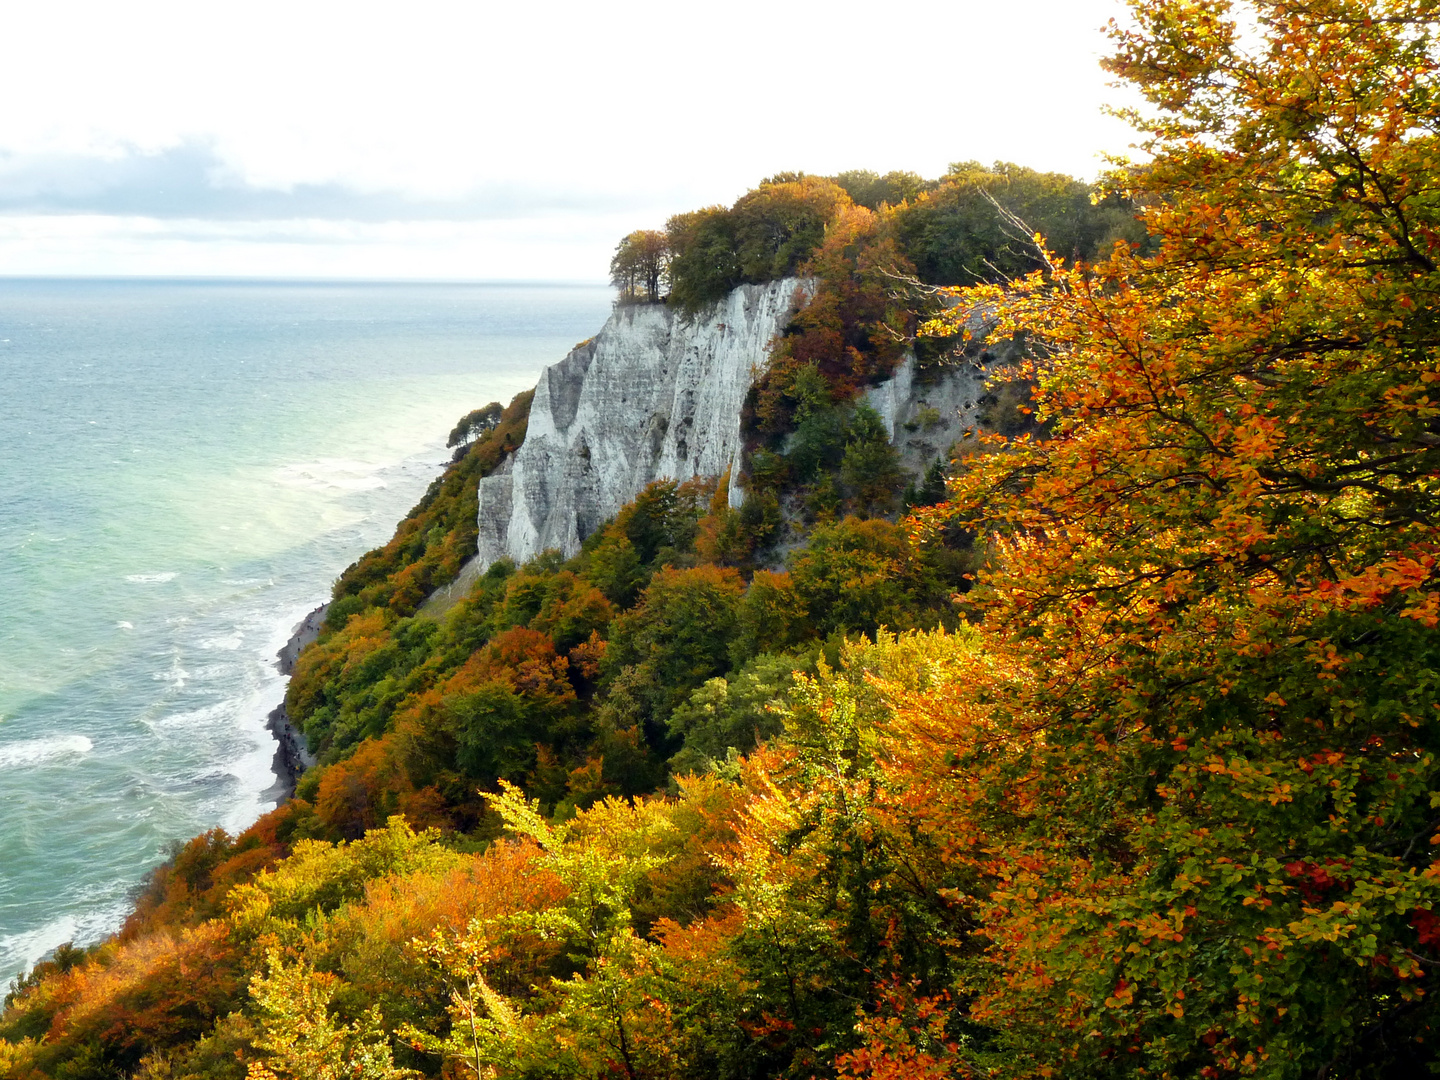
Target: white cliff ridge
652 396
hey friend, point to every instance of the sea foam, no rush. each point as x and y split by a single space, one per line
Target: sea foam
98 919
31 752
340 474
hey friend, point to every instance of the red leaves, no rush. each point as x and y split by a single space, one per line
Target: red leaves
1426 925
358 793
1315 879
904 1038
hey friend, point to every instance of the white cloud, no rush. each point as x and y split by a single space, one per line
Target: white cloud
551 248
483 109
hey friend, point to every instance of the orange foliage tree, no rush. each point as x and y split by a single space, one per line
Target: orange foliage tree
1214 588
853 329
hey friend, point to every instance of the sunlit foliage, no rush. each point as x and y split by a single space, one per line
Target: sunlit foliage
1218 574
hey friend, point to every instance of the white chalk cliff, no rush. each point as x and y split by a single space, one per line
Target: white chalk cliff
652 396
657 396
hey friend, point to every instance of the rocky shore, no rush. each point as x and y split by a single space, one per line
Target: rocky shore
292 757
306 631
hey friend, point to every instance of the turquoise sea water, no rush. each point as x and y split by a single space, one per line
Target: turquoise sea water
184 468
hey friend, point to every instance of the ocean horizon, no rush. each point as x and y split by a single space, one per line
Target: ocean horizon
185 466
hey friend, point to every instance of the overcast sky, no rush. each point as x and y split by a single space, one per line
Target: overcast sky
495 141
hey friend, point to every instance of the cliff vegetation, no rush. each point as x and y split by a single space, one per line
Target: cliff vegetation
1116 756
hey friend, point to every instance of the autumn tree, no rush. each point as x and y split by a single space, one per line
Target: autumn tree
1215 582
769 233
779 224
734 713
303 1041
853 330
704 265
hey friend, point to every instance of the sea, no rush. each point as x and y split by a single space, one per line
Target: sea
185 467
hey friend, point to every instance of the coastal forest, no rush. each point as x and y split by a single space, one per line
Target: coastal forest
1104 748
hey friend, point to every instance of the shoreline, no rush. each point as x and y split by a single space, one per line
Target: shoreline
292 757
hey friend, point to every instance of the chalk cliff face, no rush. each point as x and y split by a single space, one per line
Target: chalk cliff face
926 412
652 396
656 396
